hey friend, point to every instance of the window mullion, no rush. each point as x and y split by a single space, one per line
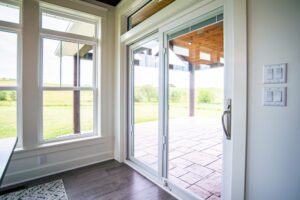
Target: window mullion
30 96
68 36
60 64
78 66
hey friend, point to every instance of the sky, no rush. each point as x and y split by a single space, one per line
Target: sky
8 44
8 55
55 69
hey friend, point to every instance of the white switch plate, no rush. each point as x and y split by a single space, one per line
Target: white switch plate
275 73
274 96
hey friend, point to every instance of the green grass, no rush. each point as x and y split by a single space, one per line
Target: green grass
146 112
58 112
7 120
58 117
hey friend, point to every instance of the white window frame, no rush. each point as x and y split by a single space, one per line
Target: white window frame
70 37
16 28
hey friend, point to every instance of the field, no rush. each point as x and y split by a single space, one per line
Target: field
146 112
58 109
57 114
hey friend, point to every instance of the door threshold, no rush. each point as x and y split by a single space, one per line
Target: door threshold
151 178
160 183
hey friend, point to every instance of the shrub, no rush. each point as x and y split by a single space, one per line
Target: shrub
12 96
175 96
3 96
137 97
205 96
148 93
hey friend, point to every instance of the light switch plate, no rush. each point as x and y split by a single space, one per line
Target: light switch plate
274 96
275 73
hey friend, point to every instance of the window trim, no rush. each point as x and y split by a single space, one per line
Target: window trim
70 37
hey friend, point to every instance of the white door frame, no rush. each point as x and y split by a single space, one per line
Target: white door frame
235 40
131 131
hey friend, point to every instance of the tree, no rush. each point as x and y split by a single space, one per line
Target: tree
149 93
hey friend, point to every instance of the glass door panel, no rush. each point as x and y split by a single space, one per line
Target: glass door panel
144 103
196 86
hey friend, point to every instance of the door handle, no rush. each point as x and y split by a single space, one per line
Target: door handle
227 114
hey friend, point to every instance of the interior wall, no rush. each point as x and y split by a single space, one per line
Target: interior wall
273 132
35 160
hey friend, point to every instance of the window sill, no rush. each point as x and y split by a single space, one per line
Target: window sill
64 145
70 137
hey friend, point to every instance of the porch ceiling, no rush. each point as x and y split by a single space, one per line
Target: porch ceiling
208 40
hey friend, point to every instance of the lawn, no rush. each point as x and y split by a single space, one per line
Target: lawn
57 115
146 112
58 110
58 118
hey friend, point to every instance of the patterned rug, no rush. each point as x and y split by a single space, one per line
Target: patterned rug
54 190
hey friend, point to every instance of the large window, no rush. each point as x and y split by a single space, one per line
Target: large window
69 75
145 11
9 68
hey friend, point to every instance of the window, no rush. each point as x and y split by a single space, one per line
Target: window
147 10
181 50
68 25
10 12
222 60
69 74
205 56
9 68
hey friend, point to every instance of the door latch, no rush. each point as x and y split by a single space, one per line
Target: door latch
226 119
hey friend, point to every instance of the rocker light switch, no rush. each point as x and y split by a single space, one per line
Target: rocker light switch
269 75
269 96
278 73
278 96
275 73
274 96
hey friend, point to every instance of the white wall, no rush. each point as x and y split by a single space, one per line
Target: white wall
35 160
273 158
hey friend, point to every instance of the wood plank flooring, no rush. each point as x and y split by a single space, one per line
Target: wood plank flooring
109 180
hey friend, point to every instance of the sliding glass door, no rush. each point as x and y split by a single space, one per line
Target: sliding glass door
175 107
195 101
143 103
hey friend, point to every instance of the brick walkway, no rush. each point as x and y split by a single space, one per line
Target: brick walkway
195 153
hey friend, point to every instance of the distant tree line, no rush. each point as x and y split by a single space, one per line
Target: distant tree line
149 94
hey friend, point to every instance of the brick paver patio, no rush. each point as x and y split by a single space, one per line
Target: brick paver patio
195 153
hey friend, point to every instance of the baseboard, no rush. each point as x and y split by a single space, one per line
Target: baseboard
23 176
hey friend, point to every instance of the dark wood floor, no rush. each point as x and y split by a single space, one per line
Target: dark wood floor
107 180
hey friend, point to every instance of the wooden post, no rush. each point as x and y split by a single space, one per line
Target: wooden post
76 96
192 90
